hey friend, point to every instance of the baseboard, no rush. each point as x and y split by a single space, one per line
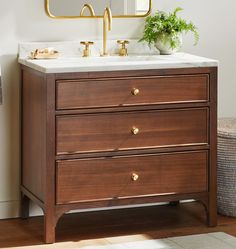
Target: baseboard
11 209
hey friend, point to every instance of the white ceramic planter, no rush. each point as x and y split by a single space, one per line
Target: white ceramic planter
163 44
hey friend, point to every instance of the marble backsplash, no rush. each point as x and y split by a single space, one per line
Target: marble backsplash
74 48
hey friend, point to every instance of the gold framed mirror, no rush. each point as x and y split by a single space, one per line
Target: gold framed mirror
73 9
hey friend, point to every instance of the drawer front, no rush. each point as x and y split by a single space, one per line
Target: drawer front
132 91
124 177
116 131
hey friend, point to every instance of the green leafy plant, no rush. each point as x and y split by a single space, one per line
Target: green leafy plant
167 26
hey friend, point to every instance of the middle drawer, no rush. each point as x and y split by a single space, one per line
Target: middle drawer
131 130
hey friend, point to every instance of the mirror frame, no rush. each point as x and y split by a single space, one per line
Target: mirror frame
49 13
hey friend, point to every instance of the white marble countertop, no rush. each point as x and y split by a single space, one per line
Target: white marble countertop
132 62
71 60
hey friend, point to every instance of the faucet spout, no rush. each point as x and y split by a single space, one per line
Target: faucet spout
90 9
107 26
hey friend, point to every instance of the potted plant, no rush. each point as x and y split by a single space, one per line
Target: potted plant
165 31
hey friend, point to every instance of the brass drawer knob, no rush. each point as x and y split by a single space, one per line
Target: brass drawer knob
135 130
135 91
135 177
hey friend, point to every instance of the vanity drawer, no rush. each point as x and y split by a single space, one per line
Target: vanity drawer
115 131
124 177
121 91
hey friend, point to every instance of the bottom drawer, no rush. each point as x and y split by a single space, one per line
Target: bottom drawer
131 176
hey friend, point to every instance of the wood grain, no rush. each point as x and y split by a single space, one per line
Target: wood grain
212 211
131 73
33 133
112 132
118 91
111 178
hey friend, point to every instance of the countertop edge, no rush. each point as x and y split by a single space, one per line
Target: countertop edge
212 63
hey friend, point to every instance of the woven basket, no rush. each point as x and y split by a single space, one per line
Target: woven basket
226 195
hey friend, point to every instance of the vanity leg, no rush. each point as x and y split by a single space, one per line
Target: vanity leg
212 218
212 213
24 206
49 229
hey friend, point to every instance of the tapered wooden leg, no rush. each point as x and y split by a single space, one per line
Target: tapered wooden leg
49 229
212 213
24 208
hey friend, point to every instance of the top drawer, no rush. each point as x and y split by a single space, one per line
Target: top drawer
73 94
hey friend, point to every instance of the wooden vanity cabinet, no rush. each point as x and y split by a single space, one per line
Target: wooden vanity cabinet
102 139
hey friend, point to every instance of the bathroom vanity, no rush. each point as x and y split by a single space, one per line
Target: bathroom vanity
103 133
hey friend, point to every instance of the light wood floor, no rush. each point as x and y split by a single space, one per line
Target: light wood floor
152 222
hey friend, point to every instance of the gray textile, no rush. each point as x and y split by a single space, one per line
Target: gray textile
226 195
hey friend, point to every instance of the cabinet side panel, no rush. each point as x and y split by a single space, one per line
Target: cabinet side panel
33 133
212 212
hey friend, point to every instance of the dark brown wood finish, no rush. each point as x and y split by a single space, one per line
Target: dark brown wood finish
76 139
130 73
120 92
212 210
63 208
49 167
113 131
33 133
162 174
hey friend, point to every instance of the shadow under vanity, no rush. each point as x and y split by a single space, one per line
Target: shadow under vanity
99 136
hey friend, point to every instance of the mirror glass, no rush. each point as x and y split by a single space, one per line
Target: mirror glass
119 8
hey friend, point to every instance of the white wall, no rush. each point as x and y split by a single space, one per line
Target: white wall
73 7
25 20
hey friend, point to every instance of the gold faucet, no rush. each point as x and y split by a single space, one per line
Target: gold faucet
107 19
89 7
123 50
86 51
